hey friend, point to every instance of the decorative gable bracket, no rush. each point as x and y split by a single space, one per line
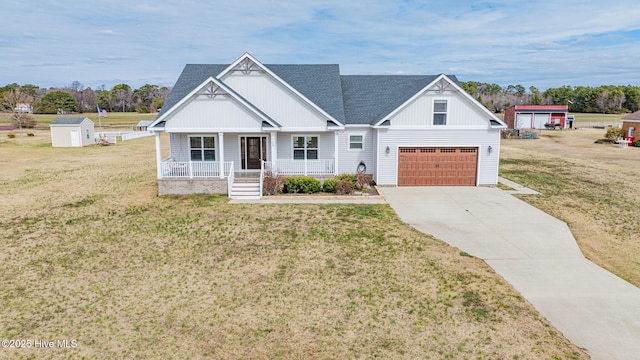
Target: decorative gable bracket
211 90
441 86
247 66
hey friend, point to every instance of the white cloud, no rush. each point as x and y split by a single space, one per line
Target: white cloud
502 41
110 32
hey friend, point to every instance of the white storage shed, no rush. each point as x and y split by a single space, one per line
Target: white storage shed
72 131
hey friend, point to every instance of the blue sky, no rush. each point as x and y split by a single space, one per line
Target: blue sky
540 43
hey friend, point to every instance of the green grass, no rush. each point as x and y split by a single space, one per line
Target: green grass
91 253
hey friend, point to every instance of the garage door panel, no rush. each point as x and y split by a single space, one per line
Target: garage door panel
427 166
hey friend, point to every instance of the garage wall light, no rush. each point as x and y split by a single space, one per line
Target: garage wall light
490 149
387 150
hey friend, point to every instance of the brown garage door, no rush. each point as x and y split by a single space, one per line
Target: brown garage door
428 166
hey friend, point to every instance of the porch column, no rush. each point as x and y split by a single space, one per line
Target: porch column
158 154
274 152
335 153
221 152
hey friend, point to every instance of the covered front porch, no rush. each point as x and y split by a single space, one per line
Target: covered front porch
222 157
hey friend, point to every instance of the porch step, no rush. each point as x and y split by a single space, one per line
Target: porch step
245 190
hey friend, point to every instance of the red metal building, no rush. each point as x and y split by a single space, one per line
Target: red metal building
537 117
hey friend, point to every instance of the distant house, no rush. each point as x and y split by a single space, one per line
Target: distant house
72 131
23 108
630 123
244 118
142 125
537 116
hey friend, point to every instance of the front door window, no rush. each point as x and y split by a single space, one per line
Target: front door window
254 150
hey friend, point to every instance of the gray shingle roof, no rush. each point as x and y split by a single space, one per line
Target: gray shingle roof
68 121
367 98
192 76
144 122
350 99
318 83
632 116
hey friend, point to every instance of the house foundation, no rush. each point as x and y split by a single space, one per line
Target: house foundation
192 186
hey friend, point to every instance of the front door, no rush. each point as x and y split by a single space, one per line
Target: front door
254 149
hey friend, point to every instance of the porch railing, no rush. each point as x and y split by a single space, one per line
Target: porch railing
194 169
301 167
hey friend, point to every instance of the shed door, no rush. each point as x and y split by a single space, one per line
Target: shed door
75 137
428 166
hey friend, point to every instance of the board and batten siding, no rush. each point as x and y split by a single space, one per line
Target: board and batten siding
387 173
348 159
219 113
460 112
179 146
275 100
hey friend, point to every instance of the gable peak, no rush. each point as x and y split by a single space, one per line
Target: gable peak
247 65
442 85
211 90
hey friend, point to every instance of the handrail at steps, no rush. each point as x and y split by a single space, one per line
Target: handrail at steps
230 179
262 166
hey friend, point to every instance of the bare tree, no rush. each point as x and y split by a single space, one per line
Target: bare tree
20 117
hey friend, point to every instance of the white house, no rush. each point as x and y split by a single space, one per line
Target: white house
23 108
74 131
225 121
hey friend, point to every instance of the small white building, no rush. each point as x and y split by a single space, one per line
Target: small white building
72 131
142 125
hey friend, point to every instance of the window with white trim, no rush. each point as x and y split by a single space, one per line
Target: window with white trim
305 147
202 148
440 112
356 142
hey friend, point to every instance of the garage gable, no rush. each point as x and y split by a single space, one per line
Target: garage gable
441 104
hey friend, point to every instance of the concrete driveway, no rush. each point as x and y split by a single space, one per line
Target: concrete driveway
538 255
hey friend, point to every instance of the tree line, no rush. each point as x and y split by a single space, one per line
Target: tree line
606 99
150 98
76 98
